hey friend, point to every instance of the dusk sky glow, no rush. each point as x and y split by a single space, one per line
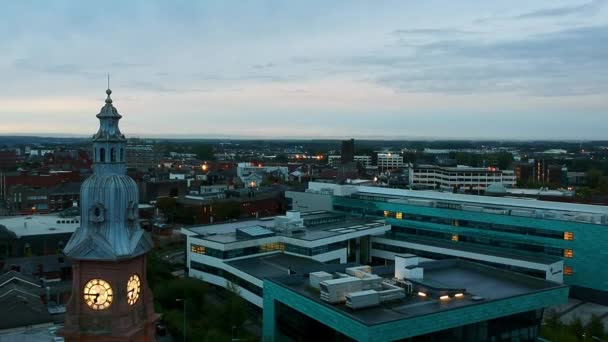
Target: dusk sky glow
308 69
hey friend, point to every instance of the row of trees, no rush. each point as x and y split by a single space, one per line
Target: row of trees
211 314
555 330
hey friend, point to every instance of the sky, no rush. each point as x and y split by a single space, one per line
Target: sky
378 69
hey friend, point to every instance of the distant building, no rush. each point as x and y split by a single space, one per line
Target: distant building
348 151
22 236
335 160
524 171
365 161
140 154
8 159
251 175
463 178
387 161
547 173
150 190
21 303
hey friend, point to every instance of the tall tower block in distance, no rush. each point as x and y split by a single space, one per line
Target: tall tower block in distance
111 300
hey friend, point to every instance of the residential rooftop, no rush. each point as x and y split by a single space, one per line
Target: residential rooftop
478 283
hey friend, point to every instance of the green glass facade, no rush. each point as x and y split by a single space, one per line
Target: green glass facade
347 328
582 246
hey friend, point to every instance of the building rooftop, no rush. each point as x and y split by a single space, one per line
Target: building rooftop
40 224
276 265
317 225
389 194
479 284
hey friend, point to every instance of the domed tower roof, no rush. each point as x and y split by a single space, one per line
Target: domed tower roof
108 118
109 200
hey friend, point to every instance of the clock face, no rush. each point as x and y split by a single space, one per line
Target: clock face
98 294
133 289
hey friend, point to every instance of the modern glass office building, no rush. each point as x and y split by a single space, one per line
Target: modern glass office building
453 300
561 242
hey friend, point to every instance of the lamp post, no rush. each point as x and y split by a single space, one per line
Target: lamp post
184 301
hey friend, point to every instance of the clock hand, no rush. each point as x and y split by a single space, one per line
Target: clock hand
96 298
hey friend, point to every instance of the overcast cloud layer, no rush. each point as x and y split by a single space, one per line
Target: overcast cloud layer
382 69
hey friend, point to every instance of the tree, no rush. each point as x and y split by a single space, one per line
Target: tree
593 178
504 160
204 151
576 327
227 210
281 158
595 327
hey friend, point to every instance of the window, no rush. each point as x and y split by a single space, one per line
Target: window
568 253
122 155
568 270
568 236
399 216
454 237
102 154
273 246
197 249
386 213
112 155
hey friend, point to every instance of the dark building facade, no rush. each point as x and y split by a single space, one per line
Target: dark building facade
348 151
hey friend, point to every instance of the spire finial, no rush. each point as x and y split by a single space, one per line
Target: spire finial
108 91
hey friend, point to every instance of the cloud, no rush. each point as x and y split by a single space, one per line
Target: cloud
589 8
586 9
533 65
263 66
433 32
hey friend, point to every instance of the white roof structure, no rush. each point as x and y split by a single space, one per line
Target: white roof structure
40 224
345 190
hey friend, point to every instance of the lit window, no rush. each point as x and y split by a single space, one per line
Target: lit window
446 297
197 249
568 236
274 246
386 213
568 253
399 216
454 237
568 270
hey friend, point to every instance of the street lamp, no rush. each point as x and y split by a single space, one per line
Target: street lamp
184 301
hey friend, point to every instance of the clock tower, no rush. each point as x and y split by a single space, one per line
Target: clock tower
110 297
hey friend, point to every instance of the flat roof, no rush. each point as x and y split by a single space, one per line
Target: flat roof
485 200
40 224
275 265
488 283
226 232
